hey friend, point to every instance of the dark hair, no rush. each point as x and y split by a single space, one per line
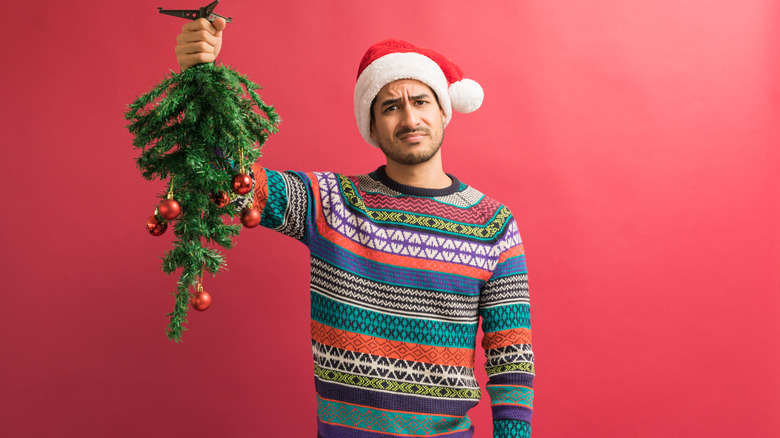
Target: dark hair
371 111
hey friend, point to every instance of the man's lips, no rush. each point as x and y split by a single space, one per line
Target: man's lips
412 137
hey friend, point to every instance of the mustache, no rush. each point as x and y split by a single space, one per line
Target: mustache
405 131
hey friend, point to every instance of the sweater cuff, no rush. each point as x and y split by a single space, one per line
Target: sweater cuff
511 429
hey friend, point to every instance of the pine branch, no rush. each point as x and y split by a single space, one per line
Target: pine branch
197 129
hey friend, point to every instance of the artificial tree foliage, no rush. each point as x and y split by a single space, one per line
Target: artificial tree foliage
197 129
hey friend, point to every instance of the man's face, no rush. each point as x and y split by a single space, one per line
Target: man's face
408 123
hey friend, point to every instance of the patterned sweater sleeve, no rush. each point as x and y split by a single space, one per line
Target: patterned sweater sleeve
284 200
505 310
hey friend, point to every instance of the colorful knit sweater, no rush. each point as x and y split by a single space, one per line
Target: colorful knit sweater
399 278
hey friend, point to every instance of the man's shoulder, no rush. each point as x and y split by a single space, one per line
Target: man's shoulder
475 193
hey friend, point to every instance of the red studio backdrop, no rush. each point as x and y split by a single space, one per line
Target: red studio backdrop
636 142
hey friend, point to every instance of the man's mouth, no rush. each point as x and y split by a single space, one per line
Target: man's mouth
412 136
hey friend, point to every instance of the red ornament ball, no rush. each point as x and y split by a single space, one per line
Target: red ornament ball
201 300
220 198
169 209
250 217
242 184
155 226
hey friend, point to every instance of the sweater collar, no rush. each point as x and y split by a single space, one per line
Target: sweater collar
381 175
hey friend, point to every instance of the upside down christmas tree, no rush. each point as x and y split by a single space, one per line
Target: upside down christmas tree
200 130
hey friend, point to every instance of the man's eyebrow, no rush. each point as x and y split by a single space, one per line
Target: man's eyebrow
394 101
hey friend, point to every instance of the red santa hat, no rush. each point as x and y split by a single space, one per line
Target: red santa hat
390 60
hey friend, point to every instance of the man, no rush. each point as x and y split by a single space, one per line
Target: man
404 261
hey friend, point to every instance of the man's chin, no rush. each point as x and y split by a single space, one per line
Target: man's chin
410 154
410 159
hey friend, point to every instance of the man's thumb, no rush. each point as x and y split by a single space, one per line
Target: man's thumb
219 23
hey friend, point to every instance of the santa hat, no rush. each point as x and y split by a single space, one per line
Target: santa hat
390 60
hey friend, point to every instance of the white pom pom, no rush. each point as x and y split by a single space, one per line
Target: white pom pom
466 96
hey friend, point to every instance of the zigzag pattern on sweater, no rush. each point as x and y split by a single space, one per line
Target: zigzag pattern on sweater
417 244
354 257
505 338
418 331
293 221
486 232
402 301
407 309
385 385
464 198
516 353
379 268
347 393
524 367
514 395
388 422
422 246
503 291
477 214
473 208
393 369
345 340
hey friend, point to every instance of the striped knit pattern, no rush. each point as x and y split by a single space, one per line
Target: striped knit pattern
399 279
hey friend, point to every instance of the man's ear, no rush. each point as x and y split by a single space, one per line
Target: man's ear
371 130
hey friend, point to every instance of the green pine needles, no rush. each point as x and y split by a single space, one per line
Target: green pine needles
198 129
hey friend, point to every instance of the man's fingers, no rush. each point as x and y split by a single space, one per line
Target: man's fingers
195 36
197 47
199 42
200 24
219 24
188 61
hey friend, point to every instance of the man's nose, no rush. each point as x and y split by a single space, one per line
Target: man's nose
411 119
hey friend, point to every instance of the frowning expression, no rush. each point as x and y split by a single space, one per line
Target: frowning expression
408 123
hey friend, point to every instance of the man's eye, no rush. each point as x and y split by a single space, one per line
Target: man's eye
390 108
421 102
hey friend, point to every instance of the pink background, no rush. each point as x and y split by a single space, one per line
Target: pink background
635 141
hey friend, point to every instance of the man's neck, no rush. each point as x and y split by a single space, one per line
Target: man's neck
427 175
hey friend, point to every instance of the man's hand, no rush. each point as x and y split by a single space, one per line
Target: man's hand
199 42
